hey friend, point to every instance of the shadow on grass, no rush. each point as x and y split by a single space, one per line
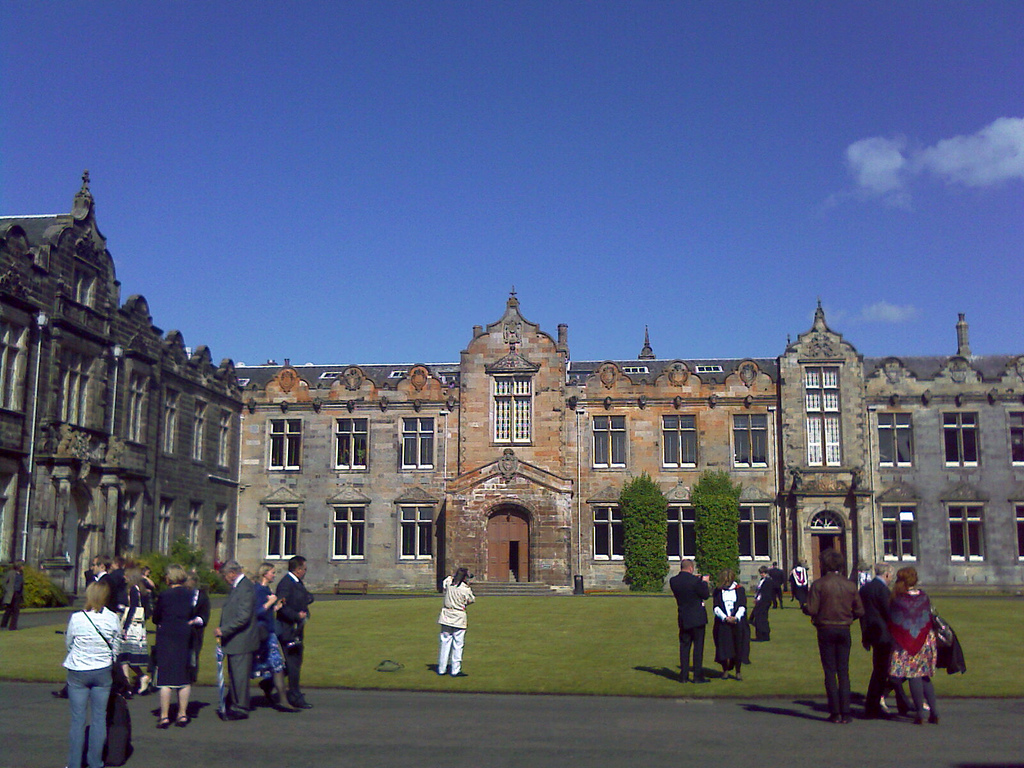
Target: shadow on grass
668 674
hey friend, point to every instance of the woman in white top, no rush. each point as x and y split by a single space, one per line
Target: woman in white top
731 630
92 638
457 595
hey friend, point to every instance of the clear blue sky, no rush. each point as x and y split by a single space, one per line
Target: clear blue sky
340 182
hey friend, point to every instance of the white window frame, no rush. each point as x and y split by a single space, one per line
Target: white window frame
75 374
416 527
607 520
282 532
13 354
1016 421
899 523
959 424
750 430
614 431
138 392
752 524
224 439
355 434
824 422
681 518
348 530
418 444
195 521
284 444
512 409
164 525
965 520
891 427
679 435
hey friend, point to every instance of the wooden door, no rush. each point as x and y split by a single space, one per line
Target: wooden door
822 542
508 547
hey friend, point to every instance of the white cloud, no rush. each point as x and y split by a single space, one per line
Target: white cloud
992 155
884 312
884 167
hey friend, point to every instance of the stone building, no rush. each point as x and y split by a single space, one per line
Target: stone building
509 462
114 437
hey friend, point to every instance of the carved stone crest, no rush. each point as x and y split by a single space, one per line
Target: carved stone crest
11 284
353 378
1019 367
821 345
678 373
418 378
607 373
508 464
748 373
958 370
893 371
512 333
287 379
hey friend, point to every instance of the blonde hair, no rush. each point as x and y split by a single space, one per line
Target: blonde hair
175 574
96 595
264 569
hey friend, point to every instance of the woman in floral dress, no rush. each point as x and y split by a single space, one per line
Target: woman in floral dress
913 648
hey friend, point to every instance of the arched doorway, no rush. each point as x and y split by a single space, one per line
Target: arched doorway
827 532
508 544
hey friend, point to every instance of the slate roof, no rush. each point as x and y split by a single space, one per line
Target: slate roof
35 226
991 367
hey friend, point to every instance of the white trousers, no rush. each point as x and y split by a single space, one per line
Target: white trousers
452 641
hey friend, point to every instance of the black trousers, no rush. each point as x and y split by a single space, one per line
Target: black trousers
834 649
692 637
293 662
11 612
880 682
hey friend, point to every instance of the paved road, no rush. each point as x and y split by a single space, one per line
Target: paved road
420 730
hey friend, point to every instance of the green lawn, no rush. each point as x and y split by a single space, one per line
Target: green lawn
614 645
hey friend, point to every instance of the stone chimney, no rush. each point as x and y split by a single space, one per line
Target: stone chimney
563 339
963 344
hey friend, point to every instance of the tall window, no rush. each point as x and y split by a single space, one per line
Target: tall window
417 532
821 399
1017 437
418 443
219 533
513 404
966 541
7 500
84 283
608 536
195 514
130 519
12 365
163 529
682 533
285 443
960 431
899 533
609 441
198 429
224 438
349 533
138 387
754 532
679 441
353 443
750 439
170 421
282 531
895 440
1020 531
74 387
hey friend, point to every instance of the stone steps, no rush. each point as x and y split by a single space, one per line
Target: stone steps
510 588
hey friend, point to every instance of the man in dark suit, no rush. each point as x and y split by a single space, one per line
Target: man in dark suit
874 633
690 592
14 591
294 599
239 637
779 577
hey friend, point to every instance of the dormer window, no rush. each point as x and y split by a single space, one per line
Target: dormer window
513 409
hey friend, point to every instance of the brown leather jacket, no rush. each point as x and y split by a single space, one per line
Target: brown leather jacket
833 601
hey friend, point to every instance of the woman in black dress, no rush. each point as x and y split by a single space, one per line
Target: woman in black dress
731 631
173 616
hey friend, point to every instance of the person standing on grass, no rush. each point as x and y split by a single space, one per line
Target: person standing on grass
691 591
833 605
763 599
731 630
292 616
14 590
875 637
92 638
779 577
457 595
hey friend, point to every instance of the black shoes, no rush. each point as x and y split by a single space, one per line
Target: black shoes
699 680
234 714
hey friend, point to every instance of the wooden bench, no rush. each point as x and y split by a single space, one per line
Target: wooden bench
351 585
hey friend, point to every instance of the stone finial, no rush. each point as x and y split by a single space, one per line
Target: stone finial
646 353
81 207
963 344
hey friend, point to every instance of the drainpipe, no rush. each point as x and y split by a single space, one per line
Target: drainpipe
41 320
579 501
117 351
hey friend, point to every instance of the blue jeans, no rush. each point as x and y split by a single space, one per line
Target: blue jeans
92 687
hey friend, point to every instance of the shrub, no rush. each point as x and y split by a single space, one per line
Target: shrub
644 528
187 556
716 503
39 591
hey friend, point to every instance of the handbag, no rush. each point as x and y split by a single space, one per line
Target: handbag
943 632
